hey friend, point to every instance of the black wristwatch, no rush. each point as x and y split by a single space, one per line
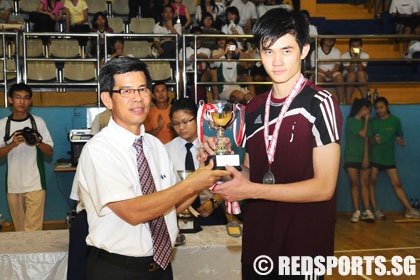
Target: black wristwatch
214 203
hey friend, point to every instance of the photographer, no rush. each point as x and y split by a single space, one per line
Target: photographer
355 71
26 139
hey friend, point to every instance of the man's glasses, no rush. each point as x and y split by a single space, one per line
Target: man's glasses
129 92
184 122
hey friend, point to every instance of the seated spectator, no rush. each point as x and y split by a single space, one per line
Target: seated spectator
183 116
48 13
117 47
329 71
5 9
181 14
355 71
100 25
405 18
209 7
158 122
232 26
77 18
247 14
227 71
207 27
200 67
165 46
414 45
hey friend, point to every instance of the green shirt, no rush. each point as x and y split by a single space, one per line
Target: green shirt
388 129
355 145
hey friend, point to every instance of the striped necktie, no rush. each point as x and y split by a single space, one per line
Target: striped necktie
162 247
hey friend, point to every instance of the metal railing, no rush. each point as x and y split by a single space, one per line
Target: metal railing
10 51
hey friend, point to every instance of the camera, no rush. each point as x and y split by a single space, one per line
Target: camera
356 50
232 47
28 135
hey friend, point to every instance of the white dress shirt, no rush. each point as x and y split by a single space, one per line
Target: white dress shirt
107 172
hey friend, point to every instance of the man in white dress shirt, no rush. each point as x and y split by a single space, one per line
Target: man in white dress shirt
120 215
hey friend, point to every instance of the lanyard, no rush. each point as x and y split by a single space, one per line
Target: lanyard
272 144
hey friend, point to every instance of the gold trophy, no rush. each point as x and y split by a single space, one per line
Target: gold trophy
221 115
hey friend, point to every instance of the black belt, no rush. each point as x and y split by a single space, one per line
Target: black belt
138 263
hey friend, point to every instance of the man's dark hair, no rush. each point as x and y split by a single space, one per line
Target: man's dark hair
20 87
185 104
354 40
121 65
321 42
277 23
158 83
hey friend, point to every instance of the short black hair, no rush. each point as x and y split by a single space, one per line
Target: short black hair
354 40
185 104
278 22
20 87
158 83
120 65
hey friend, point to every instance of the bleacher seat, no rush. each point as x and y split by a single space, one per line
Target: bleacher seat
159 70
120 7
65 48
41 70
27 6
34 48
95 6
142 25
10 66
139 49
117 24
79 71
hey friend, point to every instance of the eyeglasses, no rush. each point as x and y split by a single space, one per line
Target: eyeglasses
129 92
176 124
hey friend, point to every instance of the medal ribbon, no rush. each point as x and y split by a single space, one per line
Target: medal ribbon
238 136
271 145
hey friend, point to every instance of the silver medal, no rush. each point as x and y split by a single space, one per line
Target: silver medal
269 177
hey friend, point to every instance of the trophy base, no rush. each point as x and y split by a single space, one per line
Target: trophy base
188 225
220 161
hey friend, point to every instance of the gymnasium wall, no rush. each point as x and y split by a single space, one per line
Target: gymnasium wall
60 120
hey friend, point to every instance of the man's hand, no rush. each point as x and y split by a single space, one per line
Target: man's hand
205 177
233 190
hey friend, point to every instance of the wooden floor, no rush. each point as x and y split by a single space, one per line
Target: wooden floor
383 238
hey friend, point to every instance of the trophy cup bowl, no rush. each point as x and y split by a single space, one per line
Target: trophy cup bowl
220 118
